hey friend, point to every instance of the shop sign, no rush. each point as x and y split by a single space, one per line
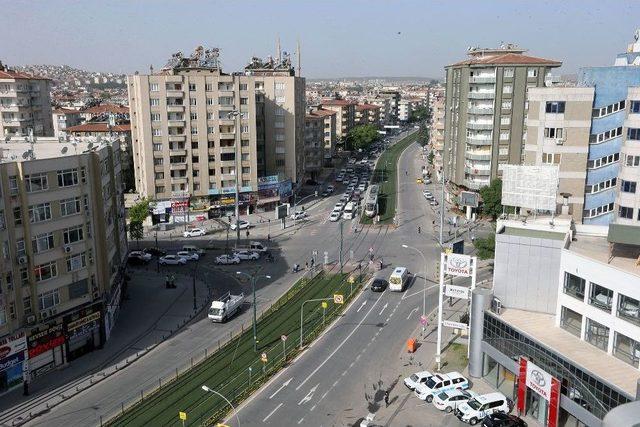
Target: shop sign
539 381
456 325
83 321
271 179
227 201
46 346
42 341
85 329
12 345
458 265
12 361
456 291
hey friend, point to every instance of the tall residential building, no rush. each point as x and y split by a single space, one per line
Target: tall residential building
436 131
62 230
485 112
25 104
393 95
313 144
345 115
185 121
329 133
368 114
386 113
64 118
405 107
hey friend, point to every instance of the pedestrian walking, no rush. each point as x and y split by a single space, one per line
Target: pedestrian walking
247 234
386 397
306 265
419 230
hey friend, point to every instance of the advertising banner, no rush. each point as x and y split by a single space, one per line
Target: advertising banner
539 381
12 344
456 291
458 265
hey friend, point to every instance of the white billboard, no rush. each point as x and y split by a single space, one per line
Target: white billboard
530 187
458 265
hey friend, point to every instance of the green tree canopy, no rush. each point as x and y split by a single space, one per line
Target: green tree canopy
420 113
361 137
136 231
486 247
139 212
492 198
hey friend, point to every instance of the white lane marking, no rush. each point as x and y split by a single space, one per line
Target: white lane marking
412 311
335 383
341 344
312 408
272 412
385 306
309 395
405 292
286 383
300 420
362 305
419 292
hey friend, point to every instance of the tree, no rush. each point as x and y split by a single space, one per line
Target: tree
136 231
418 114
361 137
430 157
139 212
486 247
492 198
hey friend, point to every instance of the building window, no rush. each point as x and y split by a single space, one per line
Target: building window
597 334
156 132
67 177
13 184
246 169
78 289
159 189
551 158
605 136
157 146
158 161
571 321
26 305
42 242
153 87
609 109
507 89
244 143
603 161
632 161
629 309
36 182
600 297
505 120
76 262
159 175
70 206
154 102
155 117
635 107
280 86
48 300
601 186
194 130
208 87
633 134
17 216
626 349
625 212
506 105
244 157
600 210
574 286
555 107
40 212
193 116
628 186
554 133
193 102
244 128
192 87
46 271
244 101
20 248
532 72
73 234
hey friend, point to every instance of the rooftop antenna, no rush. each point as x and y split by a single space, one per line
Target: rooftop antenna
278 51
64 150
298 57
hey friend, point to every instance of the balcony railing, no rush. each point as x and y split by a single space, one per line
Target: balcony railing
175 122
474 184
482 79
479 125
476 171
481 110
481 95
471 155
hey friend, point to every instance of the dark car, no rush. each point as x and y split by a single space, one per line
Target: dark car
500 419
134 260
154 251
378 285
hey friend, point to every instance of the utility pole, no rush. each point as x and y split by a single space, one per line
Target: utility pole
340 255
442 206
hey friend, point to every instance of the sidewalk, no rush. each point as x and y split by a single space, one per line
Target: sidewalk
148 315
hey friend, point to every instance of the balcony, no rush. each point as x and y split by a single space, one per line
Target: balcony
178 166
11 122
177 137
174 93
175 108
175 123
228 176
476 171
480 125
179 179
481 95
227 135
475 184
479 142
481 110
13 108
482 79
227 149
478 155
178 152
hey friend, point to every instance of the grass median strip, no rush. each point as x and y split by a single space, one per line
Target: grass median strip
236 370
386 176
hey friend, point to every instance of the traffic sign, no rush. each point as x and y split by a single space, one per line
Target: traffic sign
352 279
283 338
263 357
324 304
423 320
182 415
338 299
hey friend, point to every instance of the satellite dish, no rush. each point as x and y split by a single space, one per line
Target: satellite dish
90 146
64 150
25 155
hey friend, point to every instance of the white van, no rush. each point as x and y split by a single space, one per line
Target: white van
258 247
398 279
439 383
349 211
476 409
193 250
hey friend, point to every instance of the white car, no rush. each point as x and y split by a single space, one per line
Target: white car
345 198
242 223
413 380
188 255
227 259
246 255
339 178
335 216
433 203
449 400
140 255
474 410
439 383
172 260
338 207
194 232
299 215
330 188
350 188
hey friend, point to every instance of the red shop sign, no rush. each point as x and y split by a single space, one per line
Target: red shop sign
41 348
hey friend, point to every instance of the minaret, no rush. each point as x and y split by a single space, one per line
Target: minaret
298 57
278 51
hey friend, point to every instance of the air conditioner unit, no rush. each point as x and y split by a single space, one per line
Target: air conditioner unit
53 311
22 259
561 141
96 295
31 319
44 314
67 249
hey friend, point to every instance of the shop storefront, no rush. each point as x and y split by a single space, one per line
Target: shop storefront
12 361
46 348
272 191
83 331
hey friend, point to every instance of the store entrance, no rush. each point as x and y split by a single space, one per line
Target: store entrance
537 407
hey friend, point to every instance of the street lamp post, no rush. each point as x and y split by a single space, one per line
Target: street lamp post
297 202
195 268
235 115
207 389
253 278
302 313
424 290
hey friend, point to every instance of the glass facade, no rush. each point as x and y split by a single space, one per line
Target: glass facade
626 349
587 390
629 309
574 286
597 334
601 297
571 322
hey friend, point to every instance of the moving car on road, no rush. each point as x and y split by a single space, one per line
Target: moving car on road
172 260
246 255
476 409
439 383
378 285
449 400
299 215
189 256
413 380
335 216
227 259
242 223
194 232
338 207
142 256
330 188
225 307
500 419
398 279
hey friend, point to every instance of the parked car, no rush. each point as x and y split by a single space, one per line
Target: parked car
299 215
194 232
339 178
242 223
227 259
335 216
419 181
172 260
188 255
434 203
136 261
500 419
414 380
449 400
141 255
427 195
379 285
345 198
330 188
439 383
155 251
476 409
338 206
325 193
246 255
194 249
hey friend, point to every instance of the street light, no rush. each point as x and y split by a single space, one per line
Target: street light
253 278
424 290
207 389
295 203
235 115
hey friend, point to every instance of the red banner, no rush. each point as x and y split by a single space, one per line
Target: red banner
522 386
41 348
554 404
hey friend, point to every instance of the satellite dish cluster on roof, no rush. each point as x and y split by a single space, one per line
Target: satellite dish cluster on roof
200 58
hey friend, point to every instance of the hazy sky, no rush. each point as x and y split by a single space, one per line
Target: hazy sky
338 37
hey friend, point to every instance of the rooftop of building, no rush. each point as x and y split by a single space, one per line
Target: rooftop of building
624 257
24 151
107 108
337 102
541 327
313 116
8 73
507 54
362 107
99 127
537 234
65 111
323 112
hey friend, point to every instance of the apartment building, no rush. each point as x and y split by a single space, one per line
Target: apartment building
393 95
64 246
368 114
386 113
64 118
405 107
345 115
558 127
313 144
485 111
25 104
329 133
436 133
198 131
